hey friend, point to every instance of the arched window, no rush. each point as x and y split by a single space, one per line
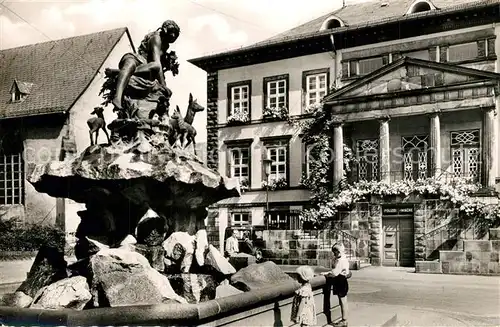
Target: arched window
332 22
420 6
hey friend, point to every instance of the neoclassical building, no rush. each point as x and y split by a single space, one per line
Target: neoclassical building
414 86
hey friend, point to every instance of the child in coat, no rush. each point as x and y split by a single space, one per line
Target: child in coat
303 308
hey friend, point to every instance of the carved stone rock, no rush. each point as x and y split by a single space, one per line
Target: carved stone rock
179 249
121 277
259 275
49 267
154 254
216 260
195 288
70 293
17 299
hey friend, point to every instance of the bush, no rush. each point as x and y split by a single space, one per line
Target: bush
29 237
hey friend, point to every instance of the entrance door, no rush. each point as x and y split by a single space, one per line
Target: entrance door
398 241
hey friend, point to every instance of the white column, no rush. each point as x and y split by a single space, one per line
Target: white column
435 140
490 144
384 150
338 154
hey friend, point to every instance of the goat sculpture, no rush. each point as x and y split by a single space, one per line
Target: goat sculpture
97 123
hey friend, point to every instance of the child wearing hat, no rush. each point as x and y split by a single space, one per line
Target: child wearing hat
303 308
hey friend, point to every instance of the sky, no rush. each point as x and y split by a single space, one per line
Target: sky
207 27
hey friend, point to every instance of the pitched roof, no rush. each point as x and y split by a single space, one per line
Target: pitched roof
404 61
365 13
23 87
59 71
355 16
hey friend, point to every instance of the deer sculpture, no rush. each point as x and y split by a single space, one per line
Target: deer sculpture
97 123
187 133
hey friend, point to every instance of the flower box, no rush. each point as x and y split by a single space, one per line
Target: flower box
279 184
238 118
275 113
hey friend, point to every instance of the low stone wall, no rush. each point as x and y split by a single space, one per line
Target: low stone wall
469 257
478 257
303 247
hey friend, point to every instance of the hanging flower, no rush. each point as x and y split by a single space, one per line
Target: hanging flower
275 113
238 117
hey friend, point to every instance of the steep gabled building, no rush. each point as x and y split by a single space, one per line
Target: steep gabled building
47 92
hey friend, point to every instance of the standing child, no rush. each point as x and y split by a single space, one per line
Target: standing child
338 279
303 308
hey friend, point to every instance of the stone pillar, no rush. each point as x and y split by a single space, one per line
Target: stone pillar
490 144
212 120
384 150
435 138
338 154
419 228
375 222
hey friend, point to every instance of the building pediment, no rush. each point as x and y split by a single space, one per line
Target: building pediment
409 74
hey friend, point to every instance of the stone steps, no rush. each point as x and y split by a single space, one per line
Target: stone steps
474 257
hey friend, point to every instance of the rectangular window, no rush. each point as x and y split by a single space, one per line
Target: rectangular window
278 156
462 52
308 157
239 98
240 219
316 88
367 66
466 153
367 154
421 54
276 94
284 219
277 151
239 165
276 91
11 179
415 157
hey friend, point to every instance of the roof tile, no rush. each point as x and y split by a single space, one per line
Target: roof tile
363 13
58 70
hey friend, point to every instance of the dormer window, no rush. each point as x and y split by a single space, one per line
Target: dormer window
20 90
331 23
420 6
16 96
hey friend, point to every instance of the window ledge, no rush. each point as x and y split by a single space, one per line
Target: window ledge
262 189
237 123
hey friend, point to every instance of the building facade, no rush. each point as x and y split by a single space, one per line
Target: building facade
415 91
48 91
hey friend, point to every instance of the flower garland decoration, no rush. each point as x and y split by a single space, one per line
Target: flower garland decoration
327 202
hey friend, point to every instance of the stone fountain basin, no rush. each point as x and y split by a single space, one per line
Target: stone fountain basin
164 174
251 308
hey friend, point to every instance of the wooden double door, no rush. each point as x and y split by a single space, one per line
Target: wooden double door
398 245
